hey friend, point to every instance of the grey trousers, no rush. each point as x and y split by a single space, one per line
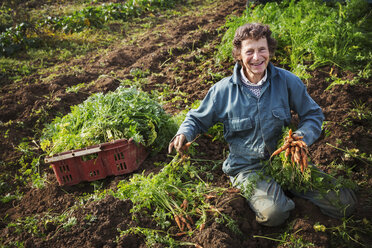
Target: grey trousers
272 206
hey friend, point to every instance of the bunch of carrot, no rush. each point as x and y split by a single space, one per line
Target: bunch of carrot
296 148
183 221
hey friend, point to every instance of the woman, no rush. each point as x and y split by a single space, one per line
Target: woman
254 104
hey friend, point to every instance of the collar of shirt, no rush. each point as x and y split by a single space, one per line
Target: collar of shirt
247 82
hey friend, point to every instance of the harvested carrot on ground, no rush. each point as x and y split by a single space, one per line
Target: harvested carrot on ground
184 204
186 223
190 219
180 234
202 226
178 221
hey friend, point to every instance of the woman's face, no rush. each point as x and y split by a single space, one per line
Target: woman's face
254 56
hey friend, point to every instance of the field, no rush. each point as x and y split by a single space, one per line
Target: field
175 51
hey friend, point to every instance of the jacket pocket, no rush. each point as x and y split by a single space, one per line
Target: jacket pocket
239 131
240 124
282 115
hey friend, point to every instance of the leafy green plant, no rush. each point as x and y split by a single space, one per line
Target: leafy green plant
154 237
17 38
72 221
288 238
311 33
10 197
348 233
362 110
176 194
28 224
125 113
355 153
30 165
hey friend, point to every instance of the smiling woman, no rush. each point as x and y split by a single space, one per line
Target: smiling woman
254 57
254 104
253 48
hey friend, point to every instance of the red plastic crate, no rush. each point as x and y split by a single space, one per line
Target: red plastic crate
96 162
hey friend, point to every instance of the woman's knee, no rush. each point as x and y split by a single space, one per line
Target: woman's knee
272 216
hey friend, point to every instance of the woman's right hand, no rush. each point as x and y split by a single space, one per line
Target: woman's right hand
177 143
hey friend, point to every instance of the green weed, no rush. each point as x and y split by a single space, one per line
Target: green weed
362 111
347 234
289 239
30 165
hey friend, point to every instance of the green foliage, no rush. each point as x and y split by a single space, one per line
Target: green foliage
125 113
30 165
288 238
162 195
26 35
362 111
152 236
347 234
28 224
311 32
17 38
6 19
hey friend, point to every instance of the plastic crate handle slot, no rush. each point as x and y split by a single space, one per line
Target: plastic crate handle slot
64 168
94 173
121 166
67 178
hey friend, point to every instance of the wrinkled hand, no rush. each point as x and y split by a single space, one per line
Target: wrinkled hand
177 143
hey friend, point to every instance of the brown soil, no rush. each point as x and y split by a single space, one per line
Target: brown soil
171 51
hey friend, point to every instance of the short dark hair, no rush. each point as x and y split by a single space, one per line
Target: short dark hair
254 31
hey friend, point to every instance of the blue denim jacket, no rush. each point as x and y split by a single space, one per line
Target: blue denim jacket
253 126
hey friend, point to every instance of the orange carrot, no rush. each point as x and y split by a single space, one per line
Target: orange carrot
209 197
287 152
180 234
233 190
178 221
284 147
297 143
186 146
292 154
202 226
185 204
290 133
297 155
185 221
304 159
304 145
190 219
